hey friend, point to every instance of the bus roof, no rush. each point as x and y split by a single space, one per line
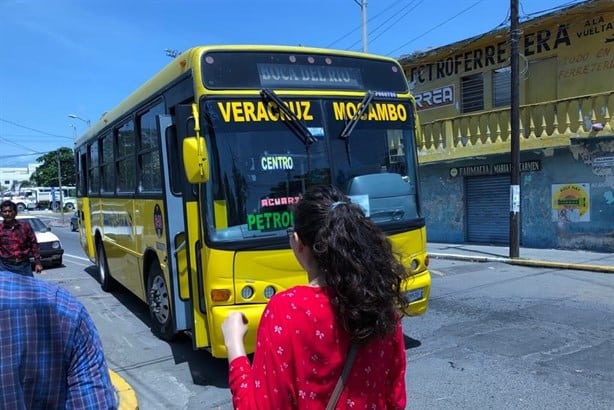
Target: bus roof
190 58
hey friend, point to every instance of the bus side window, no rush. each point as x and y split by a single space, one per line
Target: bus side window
148 156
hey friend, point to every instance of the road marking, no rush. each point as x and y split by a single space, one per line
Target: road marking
77 257
436 272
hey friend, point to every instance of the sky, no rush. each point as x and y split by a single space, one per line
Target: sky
83 57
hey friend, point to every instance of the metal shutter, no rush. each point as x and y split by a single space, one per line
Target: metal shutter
472 90
488 209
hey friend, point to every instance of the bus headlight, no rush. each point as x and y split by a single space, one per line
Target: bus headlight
247 292
269 291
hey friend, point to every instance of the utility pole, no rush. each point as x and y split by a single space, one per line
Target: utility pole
60 184
363 10
515 133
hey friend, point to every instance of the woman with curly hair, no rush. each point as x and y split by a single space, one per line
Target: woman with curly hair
306 332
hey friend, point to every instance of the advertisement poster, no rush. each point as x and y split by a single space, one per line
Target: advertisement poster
571 203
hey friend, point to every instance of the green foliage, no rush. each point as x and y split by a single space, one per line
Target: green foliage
47 173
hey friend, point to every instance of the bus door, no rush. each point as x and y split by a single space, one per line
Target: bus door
182 216
83 205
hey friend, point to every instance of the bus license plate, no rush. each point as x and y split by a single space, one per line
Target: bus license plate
416 294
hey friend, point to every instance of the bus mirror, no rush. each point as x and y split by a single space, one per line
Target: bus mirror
195 160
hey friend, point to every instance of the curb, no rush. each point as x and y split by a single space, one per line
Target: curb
525 262
126 396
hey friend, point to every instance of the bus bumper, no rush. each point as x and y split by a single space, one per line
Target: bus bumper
418 293
220 313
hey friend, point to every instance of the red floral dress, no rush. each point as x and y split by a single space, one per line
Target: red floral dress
300 353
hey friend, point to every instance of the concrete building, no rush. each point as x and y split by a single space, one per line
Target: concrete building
9 177
566 132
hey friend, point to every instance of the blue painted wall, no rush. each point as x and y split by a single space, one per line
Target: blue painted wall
443 205
587 161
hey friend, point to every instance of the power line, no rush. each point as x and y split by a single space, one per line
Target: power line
467 42
30 137
526 16
15 144
370 20
395 16
435 27
31 129
24 155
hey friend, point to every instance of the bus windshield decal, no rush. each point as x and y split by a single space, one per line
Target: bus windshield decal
277 162
284 200
258 111
282 76
269 221
377 111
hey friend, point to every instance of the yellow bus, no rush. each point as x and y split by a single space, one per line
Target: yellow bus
186 187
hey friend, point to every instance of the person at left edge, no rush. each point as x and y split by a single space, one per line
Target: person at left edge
51 356
17 243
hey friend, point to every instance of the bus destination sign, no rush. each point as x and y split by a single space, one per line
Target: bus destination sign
312 76
279 70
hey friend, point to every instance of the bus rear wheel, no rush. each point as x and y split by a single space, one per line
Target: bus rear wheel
104 277
159 302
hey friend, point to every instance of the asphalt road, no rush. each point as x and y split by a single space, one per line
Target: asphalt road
496 336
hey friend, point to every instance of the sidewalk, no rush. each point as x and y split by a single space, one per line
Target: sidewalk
552 258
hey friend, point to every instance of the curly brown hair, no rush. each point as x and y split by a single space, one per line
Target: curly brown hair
356 262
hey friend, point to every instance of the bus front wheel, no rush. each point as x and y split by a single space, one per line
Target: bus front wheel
106 281
158 299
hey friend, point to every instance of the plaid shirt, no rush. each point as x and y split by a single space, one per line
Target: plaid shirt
50 354
18 241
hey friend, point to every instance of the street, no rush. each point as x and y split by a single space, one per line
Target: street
495 336
506 337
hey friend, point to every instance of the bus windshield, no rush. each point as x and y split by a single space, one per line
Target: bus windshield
259 168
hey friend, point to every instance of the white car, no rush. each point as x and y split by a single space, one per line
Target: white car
49 244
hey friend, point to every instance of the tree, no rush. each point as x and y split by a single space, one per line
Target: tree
47 173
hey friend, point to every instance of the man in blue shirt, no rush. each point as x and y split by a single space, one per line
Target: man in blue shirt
51 356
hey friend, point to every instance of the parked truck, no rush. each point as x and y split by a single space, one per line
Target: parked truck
49 197
23 202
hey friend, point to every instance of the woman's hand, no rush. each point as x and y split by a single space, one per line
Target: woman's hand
234 329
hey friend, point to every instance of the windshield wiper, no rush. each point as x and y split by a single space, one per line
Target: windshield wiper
349 127
296 125
364 105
